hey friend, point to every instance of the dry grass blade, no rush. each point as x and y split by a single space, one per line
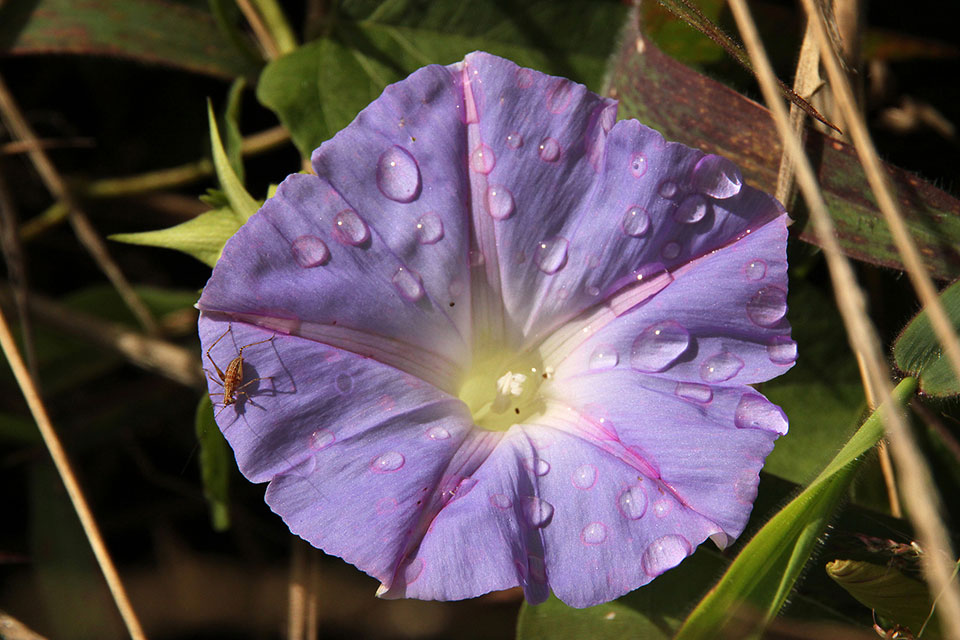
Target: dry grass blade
59 456
850 301
85 232
16 267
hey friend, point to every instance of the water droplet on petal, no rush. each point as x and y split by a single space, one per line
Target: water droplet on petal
429 228
549 150
692 209
344 383
388 462
310 251
755 270
501 501
438 433
514 140
538 512
537 466
782 350
398 175
768 306
551 254
720 367
524 78
694 391
756 412
662 507
636 222
499 202
592 290
321 439
632 503
604 356
659 346
664 553
349 228
482 159
559 95
408 283
670 250
667 189
608 117
584 477
717 177
593 533
638 165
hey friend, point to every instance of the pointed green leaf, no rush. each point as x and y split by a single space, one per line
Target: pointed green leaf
215 465
241 202
319 88
202 237
231 125
689 107
918 353
891 594
761 576
150 31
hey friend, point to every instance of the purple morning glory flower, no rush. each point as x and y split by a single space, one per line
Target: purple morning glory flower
514 339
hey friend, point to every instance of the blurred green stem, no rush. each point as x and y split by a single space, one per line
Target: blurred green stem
147 182
277 24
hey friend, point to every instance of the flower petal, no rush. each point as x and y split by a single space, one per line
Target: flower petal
309 264
593 203
726 314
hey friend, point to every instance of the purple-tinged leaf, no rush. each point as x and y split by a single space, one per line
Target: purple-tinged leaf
687 106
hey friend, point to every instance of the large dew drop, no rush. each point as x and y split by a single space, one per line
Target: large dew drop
720 367
716 177
659 346
482 159
408 283
429 228
538 512
398 175
584 477
782 350
549 150
551 254
499 202
349 228
768 306
594 533
388 462
694 392
692 209
310 251
632 502
664 553
604 357
756 412
635 222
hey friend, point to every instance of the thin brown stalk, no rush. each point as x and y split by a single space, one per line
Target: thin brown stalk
263 35
152 354
16 267
297 591
87 235
851 304
883 451
59 456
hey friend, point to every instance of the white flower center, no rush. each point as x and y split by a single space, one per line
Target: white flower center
502 391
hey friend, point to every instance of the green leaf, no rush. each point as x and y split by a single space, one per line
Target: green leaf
918 353
231 124
149 31
822 393
215 464
885 589
761 577
319 88
202 237
241 202
689 107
